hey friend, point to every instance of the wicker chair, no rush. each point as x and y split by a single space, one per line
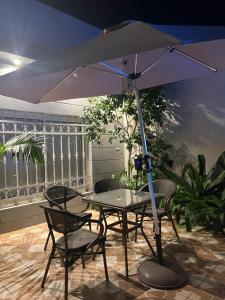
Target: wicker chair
59 195
75 241
168 189
105 185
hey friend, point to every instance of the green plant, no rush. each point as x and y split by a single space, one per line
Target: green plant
26 146
116 116
133 183
201 196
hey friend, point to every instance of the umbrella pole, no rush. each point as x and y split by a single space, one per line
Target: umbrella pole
149 174
160 274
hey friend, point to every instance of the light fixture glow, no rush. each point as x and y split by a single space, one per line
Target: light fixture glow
17 62
11 62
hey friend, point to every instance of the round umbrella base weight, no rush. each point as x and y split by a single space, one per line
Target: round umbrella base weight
168 276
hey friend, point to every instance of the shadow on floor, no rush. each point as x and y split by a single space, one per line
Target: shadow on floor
102 291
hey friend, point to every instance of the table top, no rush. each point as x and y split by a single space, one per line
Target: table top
120 198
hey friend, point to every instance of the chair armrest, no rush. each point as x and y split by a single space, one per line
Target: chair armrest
55 204
80 217
83 215
100 234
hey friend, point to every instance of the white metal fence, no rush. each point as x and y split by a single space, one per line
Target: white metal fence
66 161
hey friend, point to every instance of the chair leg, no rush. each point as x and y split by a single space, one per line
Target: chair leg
105 262
90 225
66 278
46 243
174 228
102 216
160 227
47 267
118 215
136 220
83 261
96 252
98 219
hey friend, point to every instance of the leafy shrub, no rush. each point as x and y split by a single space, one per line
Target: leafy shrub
201 196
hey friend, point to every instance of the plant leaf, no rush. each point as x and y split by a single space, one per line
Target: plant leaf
27 146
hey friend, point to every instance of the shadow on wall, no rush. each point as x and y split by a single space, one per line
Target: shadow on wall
201 115
181 156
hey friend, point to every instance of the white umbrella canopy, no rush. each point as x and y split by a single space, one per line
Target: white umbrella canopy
97 79
134 47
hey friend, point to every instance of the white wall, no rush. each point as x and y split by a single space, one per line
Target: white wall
201 116
69 107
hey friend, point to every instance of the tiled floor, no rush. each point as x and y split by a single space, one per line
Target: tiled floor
22 263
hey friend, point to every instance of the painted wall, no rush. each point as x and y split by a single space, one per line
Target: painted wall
201 116
108 159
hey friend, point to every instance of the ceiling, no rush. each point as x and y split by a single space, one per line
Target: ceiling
105 13
31 29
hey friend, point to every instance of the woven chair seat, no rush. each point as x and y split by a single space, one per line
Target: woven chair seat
78 239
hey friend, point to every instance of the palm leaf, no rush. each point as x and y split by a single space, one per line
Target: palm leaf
219 167
188 219
223 196
174 177
185 169
201 166
197 186
216 183
26 145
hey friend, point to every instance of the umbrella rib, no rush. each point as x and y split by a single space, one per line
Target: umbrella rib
194 60
135 63
58 83
101 70
114 69
157 61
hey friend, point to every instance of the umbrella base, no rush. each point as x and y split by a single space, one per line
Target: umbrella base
168 276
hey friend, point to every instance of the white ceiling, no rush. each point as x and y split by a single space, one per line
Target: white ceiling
31 29
10 62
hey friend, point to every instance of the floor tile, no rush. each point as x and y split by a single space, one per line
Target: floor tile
23 261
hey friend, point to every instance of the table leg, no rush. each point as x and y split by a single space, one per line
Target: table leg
124 237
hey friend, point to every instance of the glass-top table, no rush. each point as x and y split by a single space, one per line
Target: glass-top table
124 201
121 199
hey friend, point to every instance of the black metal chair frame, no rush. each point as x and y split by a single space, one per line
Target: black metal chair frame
105 185
167 203
67 195
67 223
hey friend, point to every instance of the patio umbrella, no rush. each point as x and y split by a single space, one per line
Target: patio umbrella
129 56
133 48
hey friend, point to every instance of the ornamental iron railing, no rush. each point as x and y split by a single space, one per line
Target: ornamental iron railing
66 158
